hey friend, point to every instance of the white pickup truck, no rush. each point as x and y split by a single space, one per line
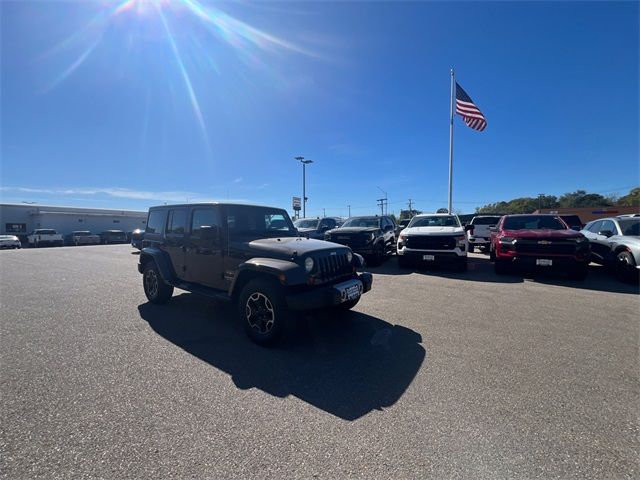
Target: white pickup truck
437 238
45 236
480 236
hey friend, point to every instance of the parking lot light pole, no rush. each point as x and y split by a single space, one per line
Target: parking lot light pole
304 183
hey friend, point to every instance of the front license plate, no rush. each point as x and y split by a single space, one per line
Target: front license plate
351 293
544 262
429 258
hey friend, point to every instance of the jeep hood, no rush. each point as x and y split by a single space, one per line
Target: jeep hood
287 246
559 234
433 231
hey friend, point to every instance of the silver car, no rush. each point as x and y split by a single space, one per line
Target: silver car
9 241
615 242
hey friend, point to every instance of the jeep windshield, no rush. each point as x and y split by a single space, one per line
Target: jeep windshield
533 222
435 221
259 222
630 227
366 222
304 223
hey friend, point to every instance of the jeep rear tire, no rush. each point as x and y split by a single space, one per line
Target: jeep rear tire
155 288
263 311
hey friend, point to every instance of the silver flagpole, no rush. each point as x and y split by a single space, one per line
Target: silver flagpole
451 145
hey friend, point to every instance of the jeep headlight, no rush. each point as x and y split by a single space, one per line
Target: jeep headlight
308 264
581 240
371 236
349 256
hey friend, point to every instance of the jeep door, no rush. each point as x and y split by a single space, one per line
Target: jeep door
203 252
174 239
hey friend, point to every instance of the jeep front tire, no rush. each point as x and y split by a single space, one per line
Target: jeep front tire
263 311
155 288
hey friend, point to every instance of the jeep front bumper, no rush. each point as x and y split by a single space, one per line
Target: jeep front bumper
329 296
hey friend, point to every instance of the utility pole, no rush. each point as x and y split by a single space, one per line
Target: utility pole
384 200
540 201
410 209
323 213
349 210
380 202
304 183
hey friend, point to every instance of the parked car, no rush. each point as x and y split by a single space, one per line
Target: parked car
574 222
373 237
615 243
539 240
82 237
402 224
437 238
113 236
479 235
9 241
251 256
137 236
45 236
316 227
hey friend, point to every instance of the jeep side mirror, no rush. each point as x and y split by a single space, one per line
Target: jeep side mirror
468 228
209 233
606 233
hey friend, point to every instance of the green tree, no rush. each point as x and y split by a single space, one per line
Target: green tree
580 198
407 215
632 199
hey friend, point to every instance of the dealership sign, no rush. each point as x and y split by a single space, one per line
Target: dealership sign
297 202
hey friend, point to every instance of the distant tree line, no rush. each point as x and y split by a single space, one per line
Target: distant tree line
577 199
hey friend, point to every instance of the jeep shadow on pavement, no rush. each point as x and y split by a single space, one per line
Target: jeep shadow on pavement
251 256
346 366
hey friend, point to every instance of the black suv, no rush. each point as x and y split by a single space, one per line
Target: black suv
316 227
249 255
374 237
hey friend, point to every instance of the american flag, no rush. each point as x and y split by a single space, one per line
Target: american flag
471 114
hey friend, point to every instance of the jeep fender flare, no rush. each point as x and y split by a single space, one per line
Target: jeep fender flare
161 260
286 272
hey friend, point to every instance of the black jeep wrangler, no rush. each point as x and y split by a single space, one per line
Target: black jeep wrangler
249 255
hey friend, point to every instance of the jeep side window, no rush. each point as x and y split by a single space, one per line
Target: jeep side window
155 223
203 217
177 222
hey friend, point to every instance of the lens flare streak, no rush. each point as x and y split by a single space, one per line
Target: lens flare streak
185 77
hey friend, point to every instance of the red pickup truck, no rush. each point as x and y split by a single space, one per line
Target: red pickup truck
543 241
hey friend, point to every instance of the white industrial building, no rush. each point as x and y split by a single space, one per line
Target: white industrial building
20 219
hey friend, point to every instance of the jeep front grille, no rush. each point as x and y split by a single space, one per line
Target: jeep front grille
431 242
332 267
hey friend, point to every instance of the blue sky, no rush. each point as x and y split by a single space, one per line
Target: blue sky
130 104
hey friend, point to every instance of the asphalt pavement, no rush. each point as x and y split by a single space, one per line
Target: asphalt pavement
435 374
